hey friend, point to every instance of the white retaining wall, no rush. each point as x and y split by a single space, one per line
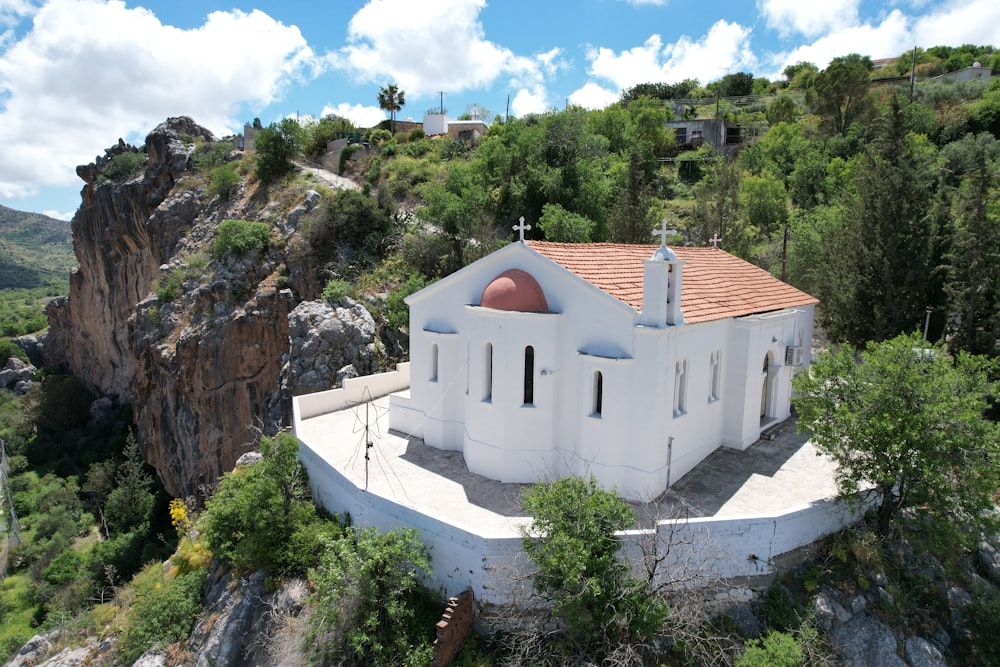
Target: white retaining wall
324 402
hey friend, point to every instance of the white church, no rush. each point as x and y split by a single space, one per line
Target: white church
628 362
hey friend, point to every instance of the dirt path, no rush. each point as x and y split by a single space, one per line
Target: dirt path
328 177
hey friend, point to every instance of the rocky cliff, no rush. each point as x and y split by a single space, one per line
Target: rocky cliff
200 363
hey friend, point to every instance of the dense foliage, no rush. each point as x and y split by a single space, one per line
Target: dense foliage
906 425
573 541
239 238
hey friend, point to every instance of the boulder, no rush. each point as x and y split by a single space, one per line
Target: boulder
922 653
866 642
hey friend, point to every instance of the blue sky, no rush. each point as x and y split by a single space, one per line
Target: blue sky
75 75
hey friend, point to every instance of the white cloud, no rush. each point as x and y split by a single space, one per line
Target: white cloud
958 22
437 45
809 18
892 36
593 96
725 48
13 11
422 47
59 215
88 72
360 115
530 101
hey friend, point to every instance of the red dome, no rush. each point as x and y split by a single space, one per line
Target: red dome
515 290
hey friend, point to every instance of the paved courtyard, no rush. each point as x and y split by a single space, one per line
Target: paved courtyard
767 478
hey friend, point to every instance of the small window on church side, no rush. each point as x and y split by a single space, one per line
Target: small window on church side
680 388
488 372
529 375
598 393
716 377
434 362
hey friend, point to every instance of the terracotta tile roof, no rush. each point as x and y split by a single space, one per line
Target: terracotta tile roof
716 285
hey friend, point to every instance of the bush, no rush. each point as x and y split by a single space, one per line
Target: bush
239 238
223 181
777 649
251 519
8 350
367 598
209 156
574 543
169 287
124 166
398 313
162 615
416 134
276 146
336 291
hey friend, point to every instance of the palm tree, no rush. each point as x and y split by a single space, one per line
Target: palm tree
391 99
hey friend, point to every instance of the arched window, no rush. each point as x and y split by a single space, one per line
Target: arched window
598 393
488 372
680 388
434 362
529 375
715 362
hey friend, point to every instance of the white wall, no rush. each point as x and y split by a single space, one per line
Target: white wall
495 566
637 445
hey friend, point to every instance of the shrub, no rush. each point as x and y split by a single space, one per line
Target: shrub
64 568
162 615
336 291
258 508
398 313
367 598
223 181
574 543
777 649
169 287
8 350
416 134
239 238
124 166
208 156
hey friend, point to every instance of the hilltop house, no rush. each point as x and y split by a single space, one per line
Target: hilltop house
629 362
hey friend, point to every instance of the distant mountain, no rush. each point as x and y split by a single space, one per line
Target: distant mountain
35 250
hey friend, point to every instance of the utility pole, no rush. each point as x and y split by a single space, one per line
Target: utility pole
441 108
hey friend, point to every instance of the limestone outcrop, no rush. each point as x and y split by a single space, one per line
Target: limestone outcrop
194 340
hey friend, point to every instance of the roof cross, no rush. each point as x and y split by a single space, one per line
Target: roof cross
663 232
715 241
522 228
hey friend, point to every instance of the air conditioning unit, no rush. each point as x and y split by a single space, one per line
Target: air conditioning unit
793 355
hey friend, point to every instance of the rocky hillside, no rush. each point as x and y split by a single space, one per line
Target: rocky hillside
195 341
34 249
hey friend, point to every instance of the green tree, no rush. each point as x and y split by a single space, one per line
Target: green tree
391 99
839 93
880 267
368 592
717 210
561 225
800 75
130 504
277 145
573 541
782 110
973 284
736 84
906 426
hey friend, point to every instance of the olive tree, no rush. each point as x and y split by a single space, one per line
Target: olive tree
905 423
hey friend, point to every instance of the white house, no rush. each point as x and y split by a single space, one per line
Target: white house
629 362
